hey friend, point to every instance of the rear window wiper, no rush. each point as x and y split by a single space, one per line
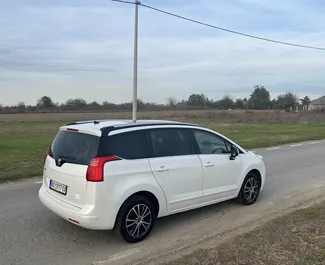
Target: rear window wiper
63 159
66 157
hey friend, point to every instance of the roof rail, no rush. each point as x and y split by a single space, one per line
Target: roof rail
106 130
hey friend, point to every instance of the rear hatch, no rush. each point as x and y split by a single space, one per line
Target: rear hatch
66 165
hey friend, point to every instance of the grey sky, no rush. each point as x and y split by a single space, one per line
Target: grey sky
69 49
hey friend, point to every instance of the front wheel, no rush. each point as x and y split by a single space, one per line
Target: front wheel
250 189
136 219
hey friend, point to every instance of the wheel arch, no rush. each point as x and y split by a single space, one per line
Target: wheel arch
148 195
257 173
254 170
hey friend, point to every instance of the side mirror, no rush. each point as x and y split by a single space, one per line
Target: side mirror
233 153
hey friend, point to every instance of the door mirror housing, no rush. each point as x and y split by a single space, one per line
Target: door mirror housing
234 152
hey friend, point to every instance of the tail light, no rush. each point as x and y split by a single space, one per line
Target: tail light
95 170
47 153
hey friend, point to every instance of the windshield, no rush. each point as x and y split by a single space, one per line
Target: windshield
74 147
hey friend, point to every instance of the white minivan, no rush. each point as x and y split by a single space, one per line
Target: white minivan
123 175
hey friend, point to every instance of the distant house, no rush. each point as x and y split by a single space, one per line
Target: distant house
317 104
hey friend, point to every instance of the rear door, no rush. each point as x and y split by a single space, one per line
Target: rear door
176 167
66 166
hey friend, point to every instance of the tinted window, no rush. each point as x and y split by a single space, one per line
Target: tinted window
228 146
74 147
129 145
209 143
170 142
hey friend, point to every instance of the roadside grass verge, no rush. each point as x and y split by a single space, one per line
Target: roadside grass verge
297 238
23 144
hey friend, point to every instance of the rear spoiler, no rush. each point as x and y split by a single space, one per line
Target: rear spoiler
82 122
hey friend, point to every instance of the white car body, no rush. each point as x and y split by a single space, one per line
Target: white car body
174 184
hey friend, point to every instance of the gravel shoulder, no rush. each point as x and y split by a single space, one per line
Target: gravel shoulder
222 232
293 238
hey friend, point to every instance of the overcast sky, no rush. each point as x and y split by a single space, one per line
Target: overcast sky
84 49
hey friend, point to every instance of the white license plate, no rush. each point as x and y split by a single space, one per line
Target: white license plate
58 187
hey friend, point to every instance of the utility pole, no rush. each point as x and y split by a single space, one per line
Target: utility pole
135 62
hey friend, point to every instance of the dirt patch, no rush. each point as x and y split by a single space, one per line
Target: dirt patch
290 230
295 238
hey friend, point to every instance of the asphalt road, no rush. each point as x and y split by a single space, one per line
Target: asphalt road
32 235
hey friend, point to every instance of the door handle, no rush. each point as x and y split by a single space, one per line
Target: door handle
209 164
162 169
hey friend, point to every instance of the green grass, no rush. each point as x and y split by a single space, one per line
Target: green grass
264 135
23 144
296 238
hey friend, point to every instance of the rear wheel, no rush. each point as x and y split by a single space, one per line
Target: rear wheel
135 219
250 189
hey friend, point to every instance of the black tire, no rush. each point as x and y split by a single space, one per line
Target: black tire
251 187
141 227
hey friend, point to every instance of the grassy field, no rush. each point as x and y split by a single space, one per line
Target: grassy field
24 138
293 239
234 116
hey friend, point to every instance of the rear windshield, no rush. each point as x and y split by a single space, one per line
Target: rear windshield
74 147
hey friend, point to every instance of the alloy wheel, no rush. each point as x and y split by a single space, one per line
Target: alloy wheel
138 220
251 189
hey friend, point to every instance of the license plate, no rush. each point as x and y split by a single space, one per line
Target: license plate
58 187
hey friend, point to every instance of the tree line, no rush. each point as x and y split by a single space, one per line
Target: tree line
259 99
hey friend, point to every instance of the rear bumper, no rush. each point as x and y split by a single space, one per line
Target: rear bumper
84 217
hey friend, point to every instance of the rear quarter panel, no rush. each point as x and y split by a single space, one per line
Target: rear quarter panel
126 177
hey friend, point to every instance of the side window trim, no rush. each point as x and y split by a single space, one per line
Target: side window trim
189 137
151 153
194 142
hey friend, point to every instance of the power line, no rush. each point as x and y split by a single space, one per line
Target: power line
126 2
220 28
